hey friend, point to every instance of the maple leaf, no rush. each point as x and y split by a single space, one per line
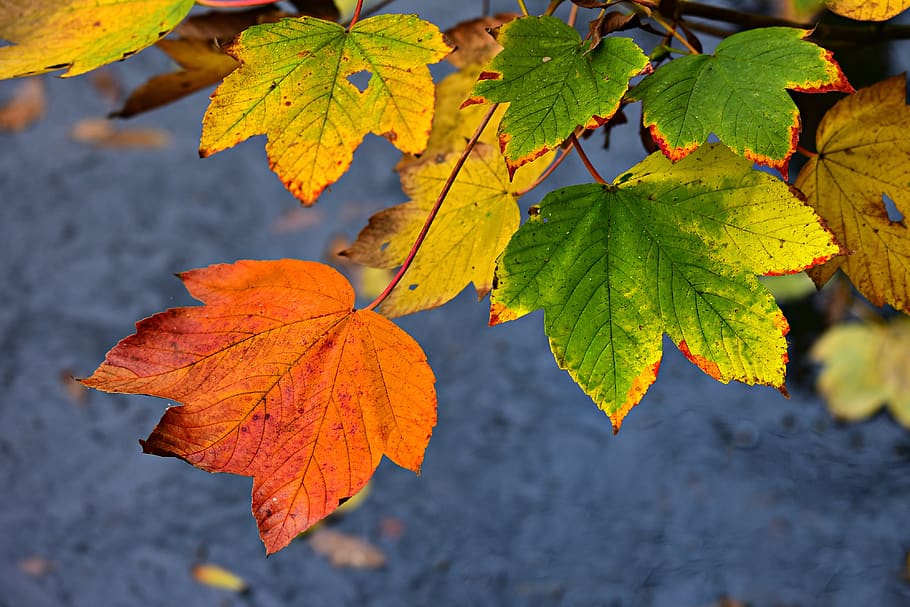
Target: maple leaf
80 35
863 153
553 84
293 85
864 10
474 224
281 380
738 94
864 366
665 249
202 64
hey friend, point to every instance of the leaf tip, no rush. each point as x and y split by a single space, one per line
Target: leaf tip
636 392
499 314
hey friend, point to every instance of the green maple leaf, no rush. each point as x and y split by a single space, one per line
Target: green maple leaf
553 84
293 86
81 35
738 94
666 249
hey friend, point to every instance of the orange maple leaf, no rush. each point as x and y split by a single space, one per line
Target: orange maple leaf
282 380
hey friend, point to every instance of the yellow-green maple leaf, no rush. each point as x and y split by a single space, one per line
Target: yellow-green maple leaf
474 224
864 367
293 86
863 153
81 35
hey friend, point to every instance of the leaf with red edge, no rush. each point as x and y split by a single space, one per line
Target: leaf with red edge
667 248
738 94
553 83
282 380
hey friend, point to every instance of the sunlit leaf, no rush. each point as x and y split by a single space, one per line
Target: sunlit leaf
282 380
295 85
553 84
864 155
868 10
475 222
739 94
665 249
80 35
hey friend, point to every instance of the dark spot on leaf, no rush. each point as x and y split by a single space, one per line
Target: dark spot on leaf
267 416
244 429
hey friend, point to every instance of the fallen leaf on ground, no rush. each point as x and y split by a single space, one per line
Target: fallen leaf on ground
25 107
217 576
345 550
36 566
101 132
864 368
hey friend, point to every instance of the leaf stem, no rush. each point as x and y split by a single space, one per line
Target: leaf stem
563 154
435 210
523 7
356 14
805 152
585 160
672 30
554 4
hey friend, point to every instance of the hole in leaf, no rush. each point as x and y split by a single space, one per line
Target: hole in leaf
894 214
384 246
411 287
360 79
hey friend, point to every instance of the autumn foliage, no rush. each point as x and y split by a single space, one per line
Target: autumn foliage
277 376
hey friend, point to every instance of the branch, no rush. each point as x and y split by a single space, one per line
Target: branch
867 32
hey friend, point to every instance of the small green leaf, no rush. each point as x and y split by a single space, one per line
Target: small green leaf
80 35
738 94
553 84
670 249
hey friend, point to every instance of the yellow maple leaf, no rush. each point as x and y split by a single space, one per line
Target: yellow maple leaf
864 10
294 85
81 35
863 154
473 226
864 366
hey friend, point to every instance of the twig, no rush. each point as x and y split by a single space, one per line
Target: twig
585 160
865 32
435 210
543 176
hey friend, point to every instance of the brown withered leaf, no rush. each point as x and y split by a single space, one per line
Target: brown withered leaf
203 64
25 107
345 550
221 26
608 23
102 133
472 39
107 85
